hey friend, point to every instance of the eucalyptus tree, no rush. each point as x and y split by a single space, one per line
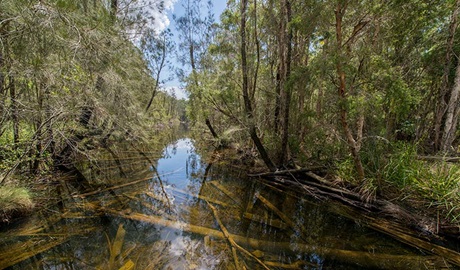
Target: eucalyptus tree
195 33
157 49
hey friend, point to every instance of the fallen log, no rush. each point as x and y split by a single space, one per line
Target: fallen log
364 259
393 229
224 190
232 242
23 250
439 158
280 214
294 265
28 249
111 188
400 233
288 172
326 190
201 197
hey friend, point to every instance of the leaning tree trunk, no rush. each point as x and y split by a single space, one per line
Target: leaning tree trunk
245 89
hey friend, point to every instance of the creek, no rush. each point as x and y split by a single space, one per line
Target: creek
176 211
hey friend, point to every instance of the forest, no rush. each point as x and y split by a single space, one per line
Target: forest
368 91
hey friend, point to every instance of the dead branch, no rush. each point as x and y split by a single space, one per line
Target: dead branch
362 258
232 242
288 172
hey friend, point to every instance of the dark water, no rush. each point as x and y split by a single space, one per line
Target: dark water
170 213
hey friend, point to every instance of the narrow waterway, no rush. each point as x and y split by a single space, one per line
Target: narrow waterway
178 212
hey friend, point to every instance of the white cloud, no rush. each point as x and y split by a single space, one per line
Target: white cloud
146 14
179 92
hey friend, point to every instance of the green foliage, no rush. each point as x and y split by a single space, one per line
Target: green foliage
439 182
9 156
436 183
346 171
63 57
402 168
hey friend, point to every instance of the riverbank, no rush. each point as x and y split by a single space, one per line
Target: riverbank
191 193
421 194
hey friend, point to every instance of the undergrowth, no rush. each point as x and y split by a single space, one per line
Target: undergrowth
436 184
14 200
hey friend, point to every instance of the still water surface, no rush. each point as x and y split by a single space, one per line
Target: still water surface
171 214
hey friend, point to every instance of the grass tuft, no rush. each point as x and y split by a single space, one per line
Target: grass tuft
433 184
14 200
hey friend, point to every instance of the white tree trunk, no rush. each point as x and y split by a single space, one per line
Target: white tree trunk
452 114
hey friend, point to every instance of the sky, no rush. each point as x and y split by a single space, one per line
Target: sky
167 21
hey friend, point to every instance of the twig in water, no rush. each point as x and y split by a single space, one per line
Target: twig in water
232 242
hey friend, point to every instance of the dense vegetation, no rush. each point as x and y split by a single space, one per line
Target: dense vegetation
364 86
71 80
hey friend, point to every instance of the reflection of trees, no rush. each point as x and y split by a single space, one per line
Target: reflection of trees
154 213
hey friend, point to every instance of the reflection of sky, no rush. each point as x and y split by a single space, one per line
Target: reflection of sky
179 162
178 167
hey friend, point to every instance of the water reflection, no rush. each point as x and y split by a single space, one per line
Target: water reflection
179 213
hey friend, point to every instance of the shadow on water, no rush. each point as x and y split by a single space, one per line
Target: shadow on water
177 212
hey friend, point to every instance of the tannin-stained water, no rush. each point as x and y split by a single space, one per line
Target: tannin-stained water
178 212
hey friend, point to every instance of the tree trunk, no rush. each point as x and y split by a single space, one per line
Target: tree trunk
451 112
285 63
2 86
245 89
113 9
342 93
36 153
257 42
157 80
443 105
276 120
4 69
14 109
211 129
450 125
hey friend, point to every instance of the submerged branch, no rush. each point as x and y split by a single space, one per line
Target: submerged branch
362 258
399 231
232 242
